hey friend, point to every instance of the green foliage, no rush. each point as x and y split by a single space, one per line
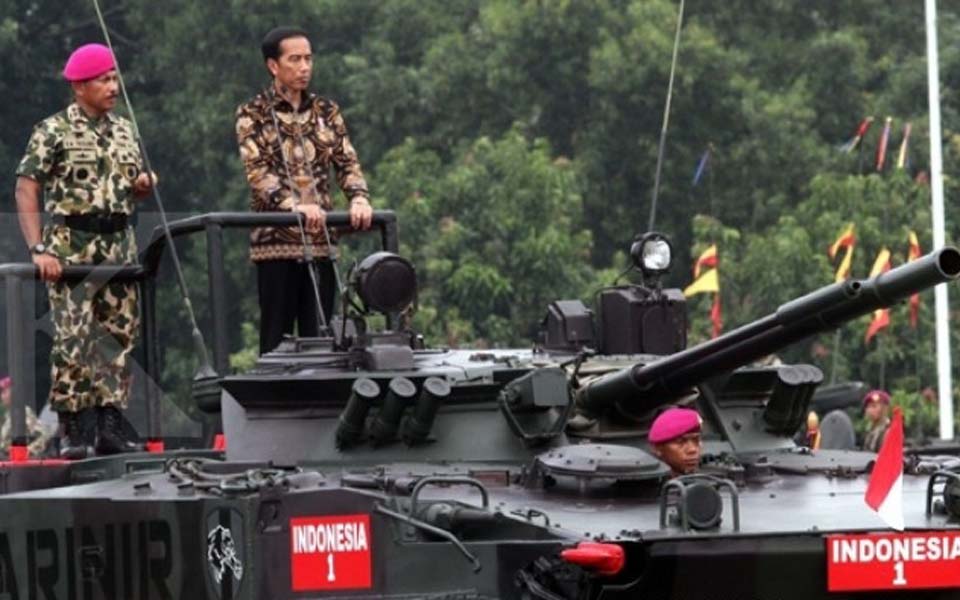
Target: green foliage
919 414
761 270
245 358
517 142
502 236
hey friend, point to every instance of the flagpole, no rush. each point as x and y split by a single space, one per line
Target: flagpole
666 119
944 383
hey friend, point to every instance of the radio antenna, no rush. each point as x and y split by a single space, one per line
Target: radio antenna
666 120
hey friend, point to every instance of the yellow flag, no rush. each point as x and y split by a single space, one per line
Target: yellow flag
843 271
881 316
881 264
708 282
706 260
913 253
847 239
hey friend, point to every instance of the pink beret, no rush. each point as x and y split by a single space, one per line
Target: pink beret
672 423
876 396
5 382
88 61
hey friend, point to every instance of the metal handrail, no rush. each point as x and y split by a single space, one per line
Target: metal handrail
13 275
384 220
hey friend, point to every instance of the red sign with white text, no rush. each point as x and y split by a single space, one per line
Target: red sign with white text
893 561
330 553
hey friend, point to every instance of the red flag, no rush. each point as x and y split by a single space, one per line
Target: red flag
862 130
881 316
864 127
885 490
846 240
881 319
913 253
882 146
715 316
708 281
707 259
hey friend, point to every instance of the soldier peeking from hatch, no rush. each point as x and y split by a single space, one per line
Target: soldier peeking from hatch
86 163
289 138
876 414
675 439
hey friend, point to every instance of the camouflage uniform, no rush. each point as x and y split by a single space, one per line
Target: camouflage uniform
87 167
37 433
873 439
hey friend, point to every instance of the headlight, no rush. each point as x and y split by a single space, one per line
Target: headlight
385 282
652 253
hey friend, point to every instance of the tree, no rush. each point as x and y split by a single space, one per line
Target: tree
572 94
503 236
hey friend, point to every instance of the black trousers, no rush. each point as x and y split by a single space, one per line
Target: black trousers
286 297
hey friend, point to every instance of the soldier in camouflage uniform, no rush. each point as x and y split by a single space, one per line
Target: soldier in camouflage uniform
289 138
37 434
876 415
87 164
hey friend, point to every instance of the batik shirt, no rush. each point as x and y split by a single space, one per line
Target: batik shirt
292 166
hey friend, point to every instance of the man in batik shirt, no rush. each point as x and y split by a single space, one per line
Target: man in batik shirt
289 138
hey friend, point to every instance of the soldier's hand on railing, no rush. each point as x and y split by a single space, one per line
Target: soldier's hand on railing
314 215
49 265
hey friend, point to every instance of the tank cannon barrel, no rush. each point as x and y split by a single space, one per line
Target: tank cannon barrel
662 380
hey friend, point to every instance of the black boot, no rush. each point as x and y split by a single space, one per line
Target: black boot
110 438
72 444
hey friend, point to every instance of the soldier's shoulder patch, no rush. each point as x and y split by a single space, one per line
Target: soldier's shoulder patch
124 129
54 124
124 122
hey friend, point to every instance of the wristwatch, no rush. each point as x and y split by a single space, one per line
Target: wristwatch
38 248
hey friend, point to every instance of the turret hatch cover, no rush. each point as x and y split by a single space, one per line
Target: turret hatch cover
601 461
801 460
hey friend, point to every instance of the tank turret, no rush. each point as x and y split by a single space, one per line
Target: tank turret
363 460
646 385
638 359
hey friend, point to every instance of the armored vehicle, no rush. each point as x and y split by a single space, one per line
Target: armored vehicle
364 464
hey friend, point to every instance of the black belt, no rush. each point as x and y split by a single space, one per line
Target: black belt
93 223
